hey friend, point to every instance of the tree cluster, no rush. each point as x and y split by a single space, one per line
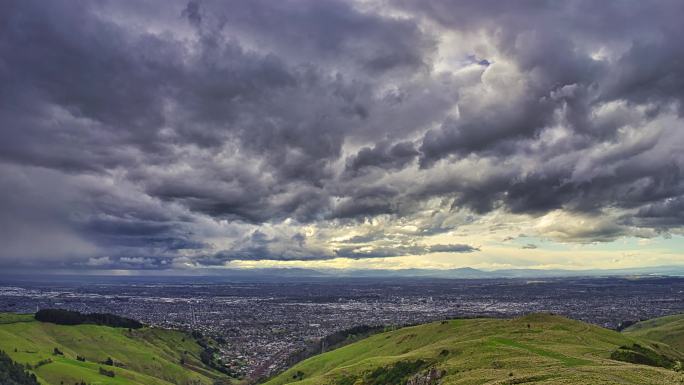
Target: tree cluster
12 373
68 317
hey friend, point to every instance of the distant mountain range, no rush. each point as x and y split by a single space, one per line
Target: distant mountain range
301 273
460 273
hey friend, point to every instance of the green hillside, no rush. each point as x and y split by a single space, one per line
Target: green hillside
668 330
536 349
146 356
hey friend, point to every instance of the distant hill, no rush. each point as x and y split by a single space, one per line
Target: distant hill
297 274
470 273
95 354
459 273
535 349
668 330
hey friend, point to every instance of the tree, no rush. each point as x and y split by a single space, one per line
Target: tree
67 317
12 373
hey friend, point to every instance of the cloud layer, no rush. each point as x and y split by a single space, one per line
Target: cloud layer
183 134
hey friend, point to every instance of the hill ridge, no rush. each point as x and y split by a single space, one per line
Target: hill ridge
93 353
533 349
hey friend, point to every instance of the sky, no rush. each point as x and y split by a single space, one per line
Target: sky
162 135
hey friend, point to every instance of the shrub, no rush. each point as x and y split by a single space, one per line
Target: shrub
105 372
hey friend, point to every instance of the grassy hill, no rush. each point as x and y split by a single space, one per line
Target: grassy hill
536 349
146 356
668 330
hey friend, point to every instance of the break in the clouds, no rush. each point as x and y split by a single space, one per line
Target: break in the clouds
163 134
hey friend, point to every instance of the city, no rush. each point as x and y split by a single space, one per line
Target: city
261 324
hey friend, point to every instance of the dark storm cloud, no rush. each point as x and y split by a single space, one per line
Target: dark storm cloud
484 131
366 201
383 155
261 246
333 33
663 215
34 224
158 133
192 12
553 44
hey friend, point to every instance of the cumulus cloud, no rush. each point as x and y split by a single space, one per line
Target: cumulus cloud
186 133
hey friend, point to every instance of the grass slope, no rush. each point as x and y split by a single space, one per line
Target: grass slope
149 356
551 350
668 330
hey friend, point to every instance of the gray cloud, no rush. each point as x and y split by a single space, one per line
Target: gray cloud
662 215
383 155
155 134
